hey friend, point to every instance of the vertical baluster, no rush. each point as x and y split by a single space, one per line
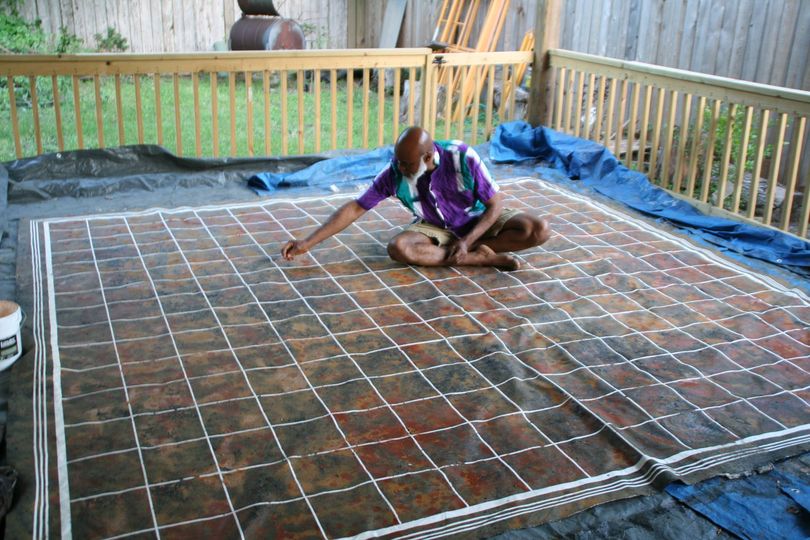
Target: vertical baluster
57 110
119 109
776 162
35 112
99 111
695 151
796 147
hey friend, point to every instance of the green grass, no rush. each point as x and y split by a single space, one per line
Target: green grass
187 121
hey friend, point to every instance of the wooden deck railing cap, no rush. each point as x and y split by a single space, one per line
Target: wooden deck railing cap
714 80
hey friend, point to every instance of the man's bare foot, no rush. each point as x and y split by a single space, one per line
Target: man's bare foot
499 260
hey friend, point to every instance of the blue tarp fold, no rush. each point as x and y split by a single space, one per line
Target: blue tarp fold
330 173
597 168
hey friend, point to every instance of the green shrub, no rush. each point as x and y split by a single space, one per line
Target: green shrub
20 36
112 41
68 43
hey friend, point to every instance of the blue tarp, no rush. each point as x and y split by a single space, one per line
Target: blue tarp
596 167
338 172
772 505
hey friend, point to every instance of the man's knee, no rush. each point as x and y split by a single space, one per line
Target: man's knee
539 231
398 249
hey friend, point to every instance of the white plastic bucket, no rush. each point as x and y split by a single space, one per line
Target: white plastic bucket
11 320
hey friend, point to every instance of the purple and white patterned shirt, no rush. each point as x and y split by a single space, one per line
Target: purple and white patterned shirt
452 196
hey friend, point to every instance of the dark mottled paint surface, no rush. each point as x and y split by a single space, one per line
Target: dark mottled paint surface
344 393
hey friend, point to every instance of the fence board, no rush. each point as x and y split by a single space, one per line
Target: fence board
787 31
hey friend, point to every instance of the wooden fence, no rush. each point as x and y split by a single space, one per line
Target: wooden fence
732 146
764 41
152 26
274 103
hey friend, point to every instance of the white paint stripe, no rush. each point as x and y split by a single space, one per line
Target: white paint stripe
40 506
59 419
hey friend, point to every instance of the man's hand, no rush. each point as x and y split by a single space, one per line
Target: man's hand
457 251
293 248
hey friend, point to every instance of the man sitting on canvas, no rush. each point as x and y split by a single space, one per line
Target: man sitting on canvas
460 218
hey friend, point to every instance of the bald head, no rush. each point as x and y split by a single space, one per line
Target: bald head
413 146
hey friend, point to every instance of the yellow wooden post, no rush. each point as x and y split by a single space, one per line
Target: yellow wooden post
195 84
679 163
776 162
232 108
77 110
15 125
796 147
214 113
611 109
490 98
578 104
285 143
427 92
138 107
177 122
631 130
35 112
763 137
620 121
476 106
600 104
569 96
645 128
249 110
350 108
333 90
411 91
366 82
707 167
395 112
724 164
656 140
673 109
299 76
119 110
158 113
560 101
380 106
547 36
695 151
743 157
268 145
99 112
57 110
316 80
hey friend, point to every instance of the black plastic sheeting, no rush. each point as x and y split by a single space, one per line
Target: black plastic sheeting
108 171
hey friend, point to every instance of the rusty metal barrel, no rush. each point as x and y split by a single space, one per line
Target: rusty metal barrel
262 33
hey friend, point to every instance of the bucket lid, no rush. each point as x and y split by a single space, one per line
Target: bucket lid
8 308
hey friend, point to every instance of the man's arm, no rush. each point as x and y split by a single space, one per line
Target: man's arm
342 218
459 249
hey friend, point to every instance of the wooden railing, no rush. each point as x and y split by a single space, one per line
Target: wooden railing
731 146
296 102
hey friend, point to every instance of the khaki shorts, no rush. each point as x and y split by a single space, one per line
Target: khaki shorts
443 237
